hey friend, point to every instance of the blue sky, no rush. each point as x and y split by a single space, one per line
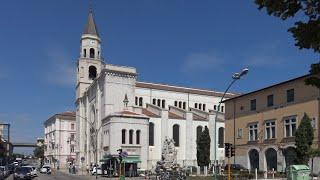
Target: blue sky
181 42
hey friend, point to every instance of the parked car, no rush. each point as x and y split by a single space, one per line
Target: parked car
45 169
22 173
5 171
98 170
33 170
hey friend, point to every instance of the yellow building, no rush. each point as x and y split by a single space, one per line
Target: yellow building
262 123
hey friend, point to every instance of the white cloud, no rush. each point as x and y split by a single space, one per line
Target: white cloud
61 70
201 61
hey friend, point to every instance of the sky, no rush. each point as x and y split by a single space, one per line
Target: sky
179 42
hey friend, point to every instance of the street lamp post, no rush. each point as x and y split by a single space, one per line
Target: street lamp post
95 135
235 77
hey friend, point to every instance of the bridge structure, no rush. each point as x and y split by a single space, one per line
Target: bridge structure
24 144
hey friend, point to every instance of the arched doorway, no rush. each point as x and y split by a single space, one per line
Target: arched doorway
254 159
271 159
290 156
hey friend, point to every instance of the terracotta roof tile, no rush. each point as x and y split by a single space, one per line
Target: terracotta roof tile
128 113
199 118
175 116
149 113
67 113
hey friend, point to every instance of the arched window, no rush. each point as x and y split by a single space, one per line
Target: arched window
175 103
151 134
140 101
196 105
184 105
204 107
92 72
200 106
271 158
290 156
176 134
123 136
254 159
159 102
84 53
154 101
138 137
222 108
199 131
131 136
163 103
91 53
215 107
136 101
221 137
180 104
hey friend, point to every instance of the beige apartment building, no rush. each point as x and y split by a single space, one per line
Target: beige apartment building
262 124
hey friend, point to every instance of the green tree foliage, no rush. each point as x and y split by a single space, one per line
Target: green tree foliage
306 30
203 148
39 152
303 138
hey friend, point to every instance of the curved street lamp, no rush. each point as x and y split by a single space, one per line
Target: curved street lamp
235 77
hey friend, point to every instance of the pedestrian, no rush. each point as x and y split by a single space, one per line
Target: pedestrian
88 169
73 169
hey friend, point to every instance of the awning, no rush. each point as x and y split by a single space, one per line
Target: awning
131 159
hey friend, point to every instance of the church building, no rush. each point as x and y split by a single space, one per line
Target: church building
114 110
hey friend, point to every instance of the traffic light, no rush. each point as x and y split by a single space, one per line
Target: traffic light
227 149
233 148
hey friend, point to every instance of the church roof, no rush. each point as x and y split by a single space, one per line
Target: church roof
91 27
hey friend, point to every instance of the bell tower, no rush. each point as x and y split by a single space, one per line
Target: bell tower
90 62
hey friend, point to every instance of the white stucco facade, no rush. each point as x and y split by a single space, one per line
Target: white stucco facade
59 140
111 99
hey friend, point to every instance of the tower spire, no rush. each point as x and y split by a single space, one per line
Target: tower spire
91 27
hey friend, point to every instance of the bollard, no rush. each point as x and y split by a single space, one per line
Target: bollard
205 171
256 173
272 173
198 170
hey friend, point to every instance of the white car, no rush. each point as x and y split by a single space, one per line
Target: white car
99 170
45 169
33 171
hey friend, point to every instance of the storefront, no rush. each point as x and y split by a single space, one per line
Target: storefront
111 165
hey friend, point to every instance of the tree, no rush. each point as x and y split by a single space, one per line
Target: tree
306 31
203 148
39 153
303 138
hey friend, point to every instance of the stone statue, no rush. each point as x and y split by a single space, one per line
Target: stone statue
169 153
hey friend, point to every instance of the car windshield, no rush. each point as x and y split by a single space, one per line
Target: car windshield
23 170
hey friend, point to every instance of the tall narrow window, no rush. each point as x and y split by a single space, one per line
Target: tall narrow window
222 108
92 72
72 126
200 106
196 105
131 136
175 103
151 134
184 105
221 137
140 101
180 104
215 107
199 131
290 126
154 101
163 103
176 134
253 132
253 104
204 107
270 130
159 102
270 100
123 136
290 95
138 137
84 53
136 101
91 53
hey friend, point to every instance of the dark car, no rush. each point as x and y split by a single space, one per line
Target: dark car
22 173
236 168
